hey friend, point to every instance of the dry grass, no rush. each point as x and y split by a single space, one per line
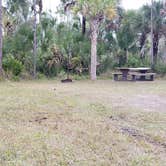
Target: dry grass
102 123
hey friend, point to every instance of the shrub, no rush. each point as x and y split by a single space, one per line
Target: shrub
11 64
133 61
106 62
136 61
160 68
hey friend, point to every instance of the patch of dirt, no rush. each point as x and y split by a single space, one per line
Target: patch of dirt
39 119
148 102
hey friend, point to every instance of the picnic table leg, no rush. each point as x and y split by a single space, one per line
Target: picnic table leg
142 78
124 76
133 77
115 77
151 77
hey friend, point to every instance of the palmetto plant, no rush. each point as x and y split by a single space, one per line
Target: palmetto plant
56 57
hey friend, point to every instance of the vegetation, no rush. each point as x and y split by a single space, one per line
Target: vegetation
97 37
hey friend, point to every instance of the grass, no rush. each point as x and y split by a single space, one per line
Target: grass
102 123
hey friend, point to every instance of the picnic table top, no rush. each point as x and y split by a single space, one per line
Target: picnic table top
123 68
140 68
133 69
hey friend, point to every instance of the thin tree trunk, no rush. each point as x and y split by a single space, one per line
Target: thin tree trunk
40 8
142 40
94 31
35 39
152 44
1 38
127 55
155 47
83 25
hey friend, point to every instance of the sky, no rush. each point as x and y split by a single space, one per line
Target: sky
134 4
127 4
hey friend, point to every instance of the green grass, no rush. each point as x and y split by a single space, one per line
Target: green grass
102 123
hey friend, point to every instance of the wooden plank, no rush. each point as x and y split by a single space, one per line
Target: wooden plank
142 74
140 68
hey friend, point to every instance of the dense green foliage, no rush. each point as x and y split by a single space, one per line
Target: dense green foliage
62 47
11 64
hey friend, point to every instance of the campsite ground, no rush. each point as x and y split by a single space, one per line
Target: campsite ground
102 123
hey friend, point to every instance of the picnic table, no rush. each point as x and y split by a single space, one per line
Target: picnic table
136 74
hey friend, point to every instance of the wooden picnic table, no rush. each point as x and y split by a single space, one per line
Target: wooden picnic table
139 73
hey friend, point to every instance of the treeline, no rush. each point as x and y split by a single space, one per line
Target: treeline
85 36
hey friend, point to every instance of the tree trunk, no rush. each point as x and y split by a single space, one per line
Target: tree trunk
152 42
40 4
83 25
35 39
1 38
155 47
94 30
142 45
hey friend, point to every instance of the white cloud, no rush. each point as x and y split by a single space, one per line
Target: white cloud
50 4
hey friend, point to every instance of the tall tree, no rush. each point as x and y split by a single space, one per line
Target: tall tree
148 21
40 4
95 12
1 38
157 28
35 38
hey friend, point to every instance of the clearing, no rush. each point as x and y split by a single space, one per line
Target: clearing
102 123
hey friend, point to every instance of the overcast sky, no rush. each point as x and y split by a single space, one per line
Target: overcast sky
127 4
134 4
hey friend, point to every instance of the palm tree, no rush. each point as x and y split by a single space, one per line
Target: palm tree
151 23
95 12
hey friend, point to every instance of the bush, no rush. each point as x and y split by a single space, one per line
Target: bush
106 63
160 68
136 61
40 76
12 65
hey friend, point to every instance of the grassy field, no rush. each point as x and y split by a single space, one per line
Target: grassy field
84 123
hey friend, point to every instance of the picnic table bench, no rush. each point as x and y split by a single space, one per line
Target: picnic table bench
116 75
142 76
